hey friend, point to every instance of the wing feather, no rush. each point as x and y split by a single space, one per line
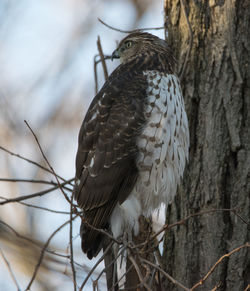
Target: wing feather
106 158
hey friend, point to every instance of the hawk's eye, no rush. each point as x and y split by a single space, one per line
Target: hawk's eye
128 44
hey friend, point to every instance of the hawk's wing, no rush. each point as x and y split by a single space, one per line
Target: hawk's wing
105 162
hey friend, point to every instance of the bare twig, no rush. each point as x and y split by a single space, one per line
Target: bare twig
147 274
96 62
170 278
183 221
94 267
124 275
30 161
36 243
17 234
112 262
216 286
13 180
71 245
138 271
129 31
43 251
246 245
25 197
46 160
32 181
95 73
39 207
10 270
241 218
4 235
99 46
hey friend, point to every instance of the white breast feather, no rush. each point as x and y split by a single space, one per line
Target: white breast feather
163 146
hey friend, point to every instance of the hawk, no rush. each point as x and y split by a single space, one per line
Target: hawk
133 143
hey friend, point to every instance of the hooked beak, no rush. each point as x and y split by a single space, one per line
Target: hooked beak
115 54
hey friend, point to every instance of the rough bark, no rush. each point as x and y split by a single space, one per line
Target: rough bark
216 88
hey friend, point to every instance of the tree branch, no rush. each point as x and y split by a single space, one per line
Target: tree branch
43 251
99 46
46 160
25 197
175 282
128 31
10 270
246 245
30 161
71 245
32 181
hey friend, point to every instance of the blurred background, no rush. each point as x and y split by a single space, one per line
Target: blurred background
47 51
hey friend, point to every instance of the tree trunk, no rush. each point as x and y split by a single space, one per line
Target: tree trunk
216 89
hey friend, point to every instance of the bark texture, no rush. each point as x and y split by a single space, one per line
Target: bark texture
216 89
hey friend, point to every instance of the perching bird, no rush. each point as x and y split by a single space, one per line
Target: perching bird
133 142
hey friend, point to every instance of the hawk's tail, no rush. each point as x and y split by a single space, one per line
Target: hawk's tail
91 241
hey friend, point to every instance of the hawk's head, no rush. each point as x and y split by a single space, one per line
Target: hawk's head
140 44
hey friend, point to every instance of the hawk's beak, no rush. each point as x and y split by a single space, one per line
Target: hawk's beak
115 54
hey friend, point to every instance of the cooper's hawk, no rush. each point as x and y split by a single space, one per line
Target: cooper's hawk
133 143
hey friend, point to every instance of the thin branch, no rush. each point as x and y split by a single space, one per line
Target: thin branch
10 270
96 62
112 262
43 251
216 287
71 245
183 5
246 245
124 275
46 160
94 267
30 161
39 207
17 234
27 181
95 73
99 46
147 274
37 244
241 218
183 221
138 271
170 278
25 197
128 31
32 181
